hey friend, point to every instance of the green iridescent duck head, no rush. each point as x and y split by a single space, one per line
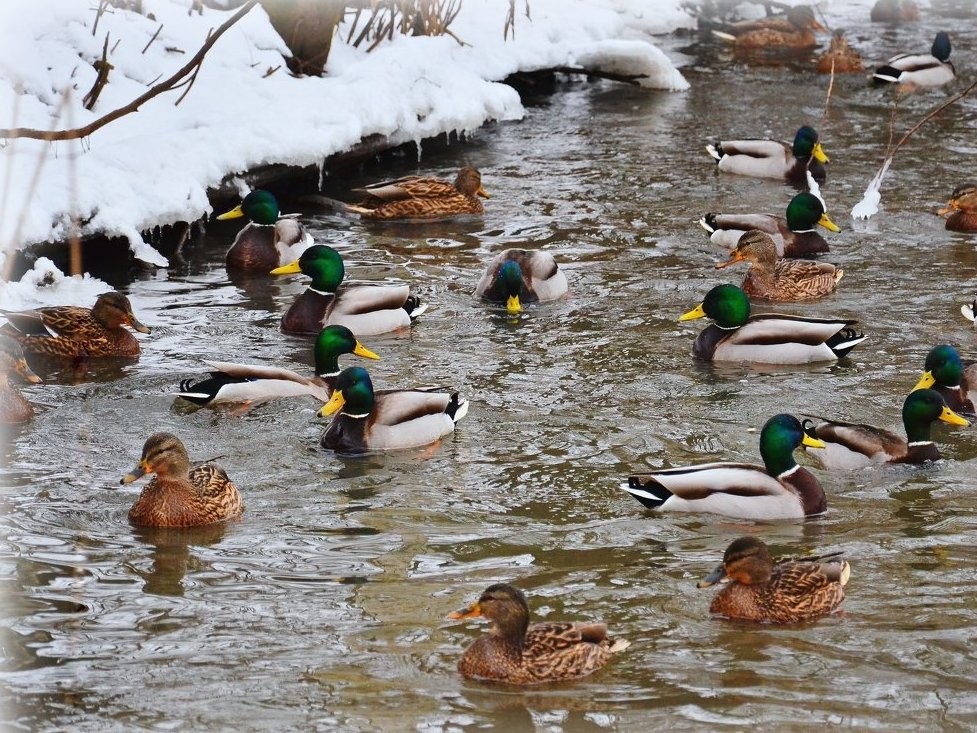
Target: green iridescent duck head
320 262
727 305
331 343
805 211
780 437
353 394
942 368
807 145
259 206
921 409
510 275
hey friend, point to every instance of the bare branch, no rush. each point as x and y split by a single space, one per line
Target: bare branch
134 105
155 35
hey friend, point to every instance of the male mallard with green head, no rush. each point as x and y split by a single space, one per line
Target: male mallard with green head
780 489
366 310
770 338
794 234
921 70
269 240
772 158
787 592
519 276
945 373
514 652
855 445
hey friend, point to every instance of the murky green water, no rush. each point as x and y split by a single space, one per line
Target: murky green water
323 609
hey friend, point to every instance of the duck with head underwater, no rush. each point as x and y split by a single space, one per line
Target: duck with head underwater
770 338
793 234
365 309
70 332
919 70
946 373
248 384
780 489
366 420
269 240
519 276
772 158
790 591
518 653
856 445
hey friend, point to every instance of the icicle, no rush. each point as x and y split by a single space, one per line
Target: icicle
322 172
417 142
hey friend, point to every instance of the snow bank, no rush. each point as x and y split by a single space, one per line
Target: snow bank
45 284
245 110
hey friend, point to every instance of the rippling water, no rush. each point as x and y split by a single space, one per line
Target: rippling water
323 608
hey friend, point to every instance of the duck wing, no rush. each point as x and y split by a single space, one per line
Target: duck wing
852 445
561 651
409 187
368 310
63 321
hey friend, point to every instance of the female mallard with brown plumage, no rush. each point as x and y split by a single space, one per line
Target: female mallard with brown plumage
855 445
772 158
415 197
793 234
787 592
840 58
513 651
248 384
69 332
793 31
366 310
773 278
518 276
180 496
779 489
269 240
14 407
393 419
962 209
946 373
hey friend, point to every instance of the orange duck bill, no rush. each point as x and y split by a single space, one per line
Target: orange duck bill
471 612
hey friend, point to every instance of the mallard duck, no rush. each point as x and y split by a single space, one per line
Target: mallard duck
269 240
793 234
962 209
773 278
780 489
415 197
518 276
969 311
366 310
855 445
14 407
772 158
376 421
771 338
926 70
248 384
840 58
70 332
513 651
795 30
944 372
894 11
180 496
784 593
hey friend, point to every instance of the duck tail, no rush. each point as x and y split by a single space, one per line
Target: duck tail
414 306
191 392
618 645
886 75
647 490
844 341
970 311
457 408
353 209
708 222
715 150
722 36
810 427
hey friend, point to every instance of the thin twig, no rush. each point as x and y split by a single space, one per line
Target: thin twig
155 36
102 67
827 98
134 105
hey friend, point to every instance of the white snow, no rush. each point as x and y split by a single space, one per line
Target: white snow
45 284
245 109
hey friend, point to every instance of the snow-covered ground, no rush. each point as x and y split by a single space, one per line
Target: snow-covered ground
155 166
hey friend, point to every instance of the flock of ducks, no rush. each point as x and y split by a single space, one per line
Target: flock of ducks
336 314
